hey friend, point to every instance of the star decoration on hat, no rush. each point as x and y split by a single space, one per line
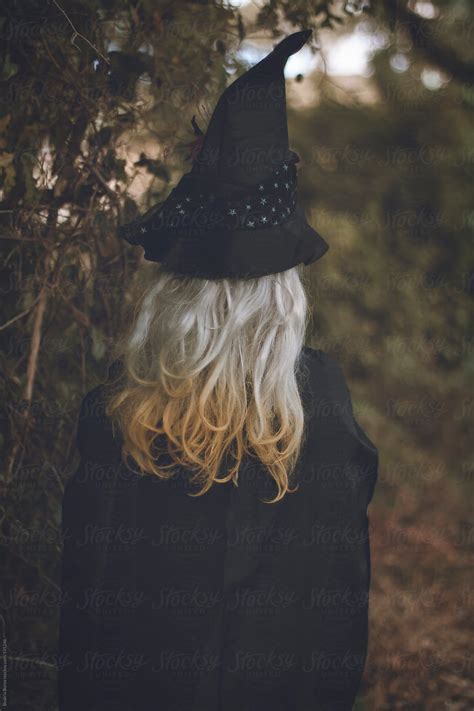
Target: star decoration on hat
253 210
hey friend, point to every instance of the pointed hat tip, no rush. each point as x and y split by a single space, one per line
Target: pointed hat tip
293 43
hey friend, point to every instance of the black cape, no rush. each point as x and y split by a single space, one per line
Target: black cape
220 602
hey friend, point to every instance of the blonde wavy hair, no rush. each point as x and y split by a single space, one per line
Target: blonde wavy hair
210 369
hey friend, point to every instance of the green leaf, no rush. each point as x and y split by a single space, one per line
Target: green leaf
9 68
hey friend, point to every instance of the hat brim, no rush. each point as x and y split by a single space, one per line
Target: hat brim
239 253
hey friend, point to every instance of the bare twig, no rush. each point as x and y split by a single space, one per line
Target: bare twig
31 373
19 316
78 34
81 317
35 343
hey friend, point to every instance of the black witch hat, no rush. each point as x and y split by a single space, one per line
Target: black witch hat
236 213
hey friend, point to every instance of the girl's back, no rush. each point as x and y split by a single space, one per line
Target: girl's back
220 601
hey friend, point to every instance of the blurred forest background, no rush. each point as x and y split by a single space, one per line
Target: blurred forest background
96 104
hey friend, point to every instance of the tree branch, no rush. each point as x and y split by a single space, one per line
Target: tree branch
422 35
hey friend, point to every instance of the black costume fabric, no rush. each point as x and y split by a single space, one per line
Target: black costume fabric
219 602
236 213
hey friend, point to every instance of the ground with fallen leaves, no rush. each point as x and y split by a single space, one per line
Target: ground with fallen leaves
422 599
